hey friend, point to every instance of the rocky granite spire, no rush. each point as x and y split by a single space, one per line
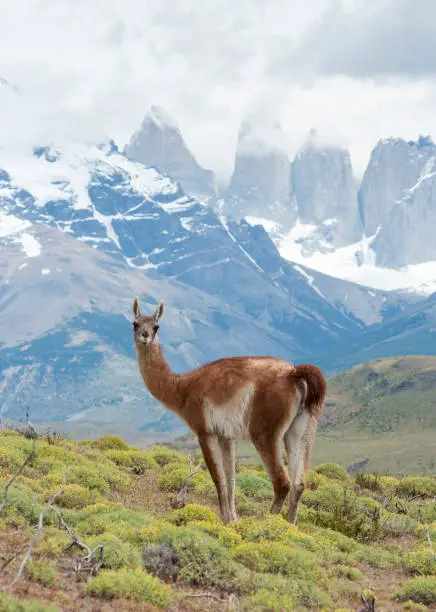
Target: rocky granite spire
325 191
260 184
159 143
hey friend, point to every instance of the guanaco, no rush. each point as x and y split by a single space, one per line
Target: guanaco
263 399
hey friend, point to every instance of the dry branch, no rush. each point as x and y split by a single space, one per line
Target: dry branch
40 528
210 595
180 499
86 563
17 473
426 529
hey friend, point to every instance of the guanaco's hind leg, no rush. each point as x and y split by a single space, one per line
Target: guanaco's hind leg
269 451
214 460
299 440
229 459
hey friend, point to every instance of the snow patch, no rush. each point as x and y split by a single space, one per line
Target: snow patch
357 263
267 224
30 245
10 225
45 271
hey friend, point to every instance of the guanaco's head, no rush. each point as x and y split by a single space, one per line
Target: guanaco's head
145 328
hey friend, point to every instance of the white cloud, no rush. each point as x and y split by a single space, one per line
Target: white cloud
87 69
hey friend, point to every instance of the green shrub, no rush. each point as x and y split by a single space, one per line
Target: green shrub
192 512
117 554
378 557
90 476
315 480
203 560
76 496
139 462
333 470
273 528
420 561
133 526
253 485
388 483
276 558
415 607
371 482
44 573
328 538
341 589
394 525
244 506
416 486
21 507
172 480
342 510
164 455
109 441
346 571
266 599
420 590
303 592
119 457
131 584
225 534
142 462
54 542
8 603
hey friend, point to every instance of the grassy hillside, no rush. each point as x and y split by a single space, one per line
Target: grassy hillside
353 536
383 411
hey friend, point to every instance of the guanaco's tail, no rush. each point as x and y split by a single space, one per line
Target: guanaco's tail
313 385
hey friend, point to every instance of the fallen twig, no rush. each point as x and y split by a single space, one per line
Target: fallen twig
180 499
40 528
211 595
93 565
427 530
17 473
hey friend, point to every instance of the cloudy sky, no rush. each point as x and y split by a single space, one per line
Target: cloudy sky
357 70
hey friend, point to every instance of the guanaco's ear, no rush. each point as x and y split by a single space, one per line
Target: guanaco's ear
135 308
159 311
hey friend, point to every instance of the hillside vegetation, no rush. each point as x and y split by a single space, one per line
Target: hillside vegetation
355 538
381 414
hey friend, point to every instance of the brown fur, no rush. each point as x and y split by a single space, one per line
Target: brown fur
264 399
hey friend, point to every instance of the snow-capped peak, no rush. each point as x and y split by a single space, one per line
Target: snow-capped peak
159 116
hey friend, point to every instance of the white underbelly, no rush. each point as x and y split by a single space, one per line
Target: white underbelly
230 420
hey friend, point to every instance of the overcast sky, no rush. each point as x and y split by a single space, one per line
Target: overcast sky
356 70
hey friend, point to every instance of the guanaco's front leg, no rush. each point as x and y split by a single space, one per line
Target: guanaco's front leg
213 457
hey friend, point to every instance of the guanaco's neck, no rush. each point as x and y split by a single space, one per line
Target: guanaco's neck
163 384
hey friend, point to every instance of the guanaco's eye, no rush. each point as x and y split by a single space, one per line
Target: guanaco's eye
155 328
135 325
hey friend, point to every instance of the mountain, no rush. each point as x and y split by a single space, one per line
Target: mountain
260 183
325 191
407 235
144 220
377 234
160 144
395 167
83 229
410 331
380 414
